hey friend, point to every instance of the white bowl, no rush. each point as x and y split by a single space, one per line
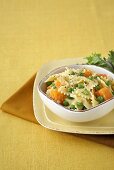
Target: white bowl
76 116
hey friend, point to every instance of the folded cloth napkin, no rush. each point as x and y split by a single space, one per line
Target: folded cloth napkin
20 105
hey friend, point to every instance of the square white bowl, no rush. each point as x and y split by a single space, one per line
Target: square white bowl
51 121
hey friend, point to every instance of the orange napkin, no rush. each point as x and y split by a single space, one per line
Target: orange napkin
20 105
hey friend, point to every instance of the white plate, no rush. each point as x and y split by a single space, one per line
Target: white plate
49 120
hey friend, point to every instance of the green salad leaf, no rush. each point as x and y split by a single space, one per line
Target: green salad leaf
111 56
98 60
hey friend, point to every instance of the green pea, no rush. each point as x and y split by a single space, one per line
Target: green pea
48 83
69 97
54 87
80 105
53 84
100 99
65 103
80 74
97 87
95 77
70 90
86 92
72 106
91 78
113 93
80 85
76 85
72 73
108 83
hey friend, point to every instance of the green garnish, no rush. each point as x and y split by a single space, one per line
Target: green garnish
80 105
113 93
100 99
69 97
80 74
84 108
80 85
72 106
72 73
95 77
53 85
95 59
48 83
97 87
98 60
65 103
91 78
76 85
108 83
70 90
86 92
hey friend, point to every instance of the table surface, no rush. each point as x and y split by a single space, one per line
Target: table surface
31 34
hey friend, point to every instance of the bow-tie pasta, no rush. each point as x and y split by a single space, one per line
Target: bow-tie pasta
79 89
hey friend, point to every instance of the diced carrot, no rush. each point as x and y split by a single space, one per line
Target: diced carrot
57 84
105 92
103 75
87 73
57 96
97 93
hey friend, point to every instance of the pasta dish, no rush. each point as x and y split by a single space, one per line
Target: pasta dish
79 89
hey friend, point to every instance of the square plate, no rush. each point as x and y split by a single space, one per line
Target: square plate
48 119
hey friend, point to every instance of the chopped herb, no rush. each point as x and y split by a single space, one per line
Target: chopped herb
70 90
113 93
80 85
72 73
53 84
97 87
72 106
100 99
80 74
80 105
91 78
48 83
69 97
95 77
84 108
76 85
54 87
65 103
86 92
108 83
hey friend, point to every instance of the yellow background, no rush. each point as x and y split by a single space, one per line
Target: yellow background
31 33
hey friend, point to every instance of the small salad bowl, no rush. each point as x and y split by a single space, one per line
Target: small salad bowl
76 116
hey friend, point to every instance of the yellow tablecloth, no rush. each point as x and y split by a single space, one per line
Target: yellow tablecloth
32 33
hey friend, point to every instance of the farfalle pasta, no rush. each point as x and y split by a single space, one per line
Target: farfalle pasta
79 89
